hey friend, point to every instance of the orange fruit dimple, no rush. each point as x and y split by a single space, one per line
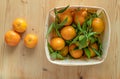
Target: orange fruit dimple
57 43
98 25
30 40
12 38
19 25
68 32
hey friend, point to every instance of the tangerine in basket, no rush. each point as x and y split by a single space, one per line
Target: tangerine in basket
68 32
57 43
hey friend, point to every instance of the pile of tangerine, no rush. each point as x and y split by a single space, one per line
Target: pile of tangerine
12 37
75 33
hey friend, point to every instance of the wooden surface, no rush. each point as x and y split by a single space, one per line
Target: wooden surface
23 63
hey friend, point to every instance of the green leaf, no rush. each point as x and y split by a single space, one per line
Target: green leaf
57 19
89 22
50 48
74 40
90 29
74 25
81 29
76 48
54 55
57 31
83 43
99 40
94 15
87 52
81 37
92 39
100 47
62 23
92 33
97 52
50 29
63 9
79 26
55 11
59 56
68 42
56 15
84 26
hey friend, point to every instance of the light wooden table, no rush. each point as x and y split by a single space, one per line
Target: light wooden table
23 63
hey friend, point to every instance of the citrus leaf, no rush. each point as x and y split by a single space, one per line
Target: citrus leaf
83 43
74 25
50 29
79 26
54 55
62 23
100 47
97 52
59 56
50 48
68 42
90 29
89 22
55 11
57 19
92 39
92 33
87 52
56 15
81 29
81 37
57 31
84 26
94 15
63 9
74 40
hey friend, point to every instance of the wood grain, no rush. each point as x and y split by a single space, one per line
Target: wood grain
23 63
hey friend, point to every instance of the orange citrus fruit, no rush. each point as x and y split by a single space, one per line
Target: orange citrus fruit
57 43
68 16
19 25
68 32
30 40
12 38
98 25
75 53
79 16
